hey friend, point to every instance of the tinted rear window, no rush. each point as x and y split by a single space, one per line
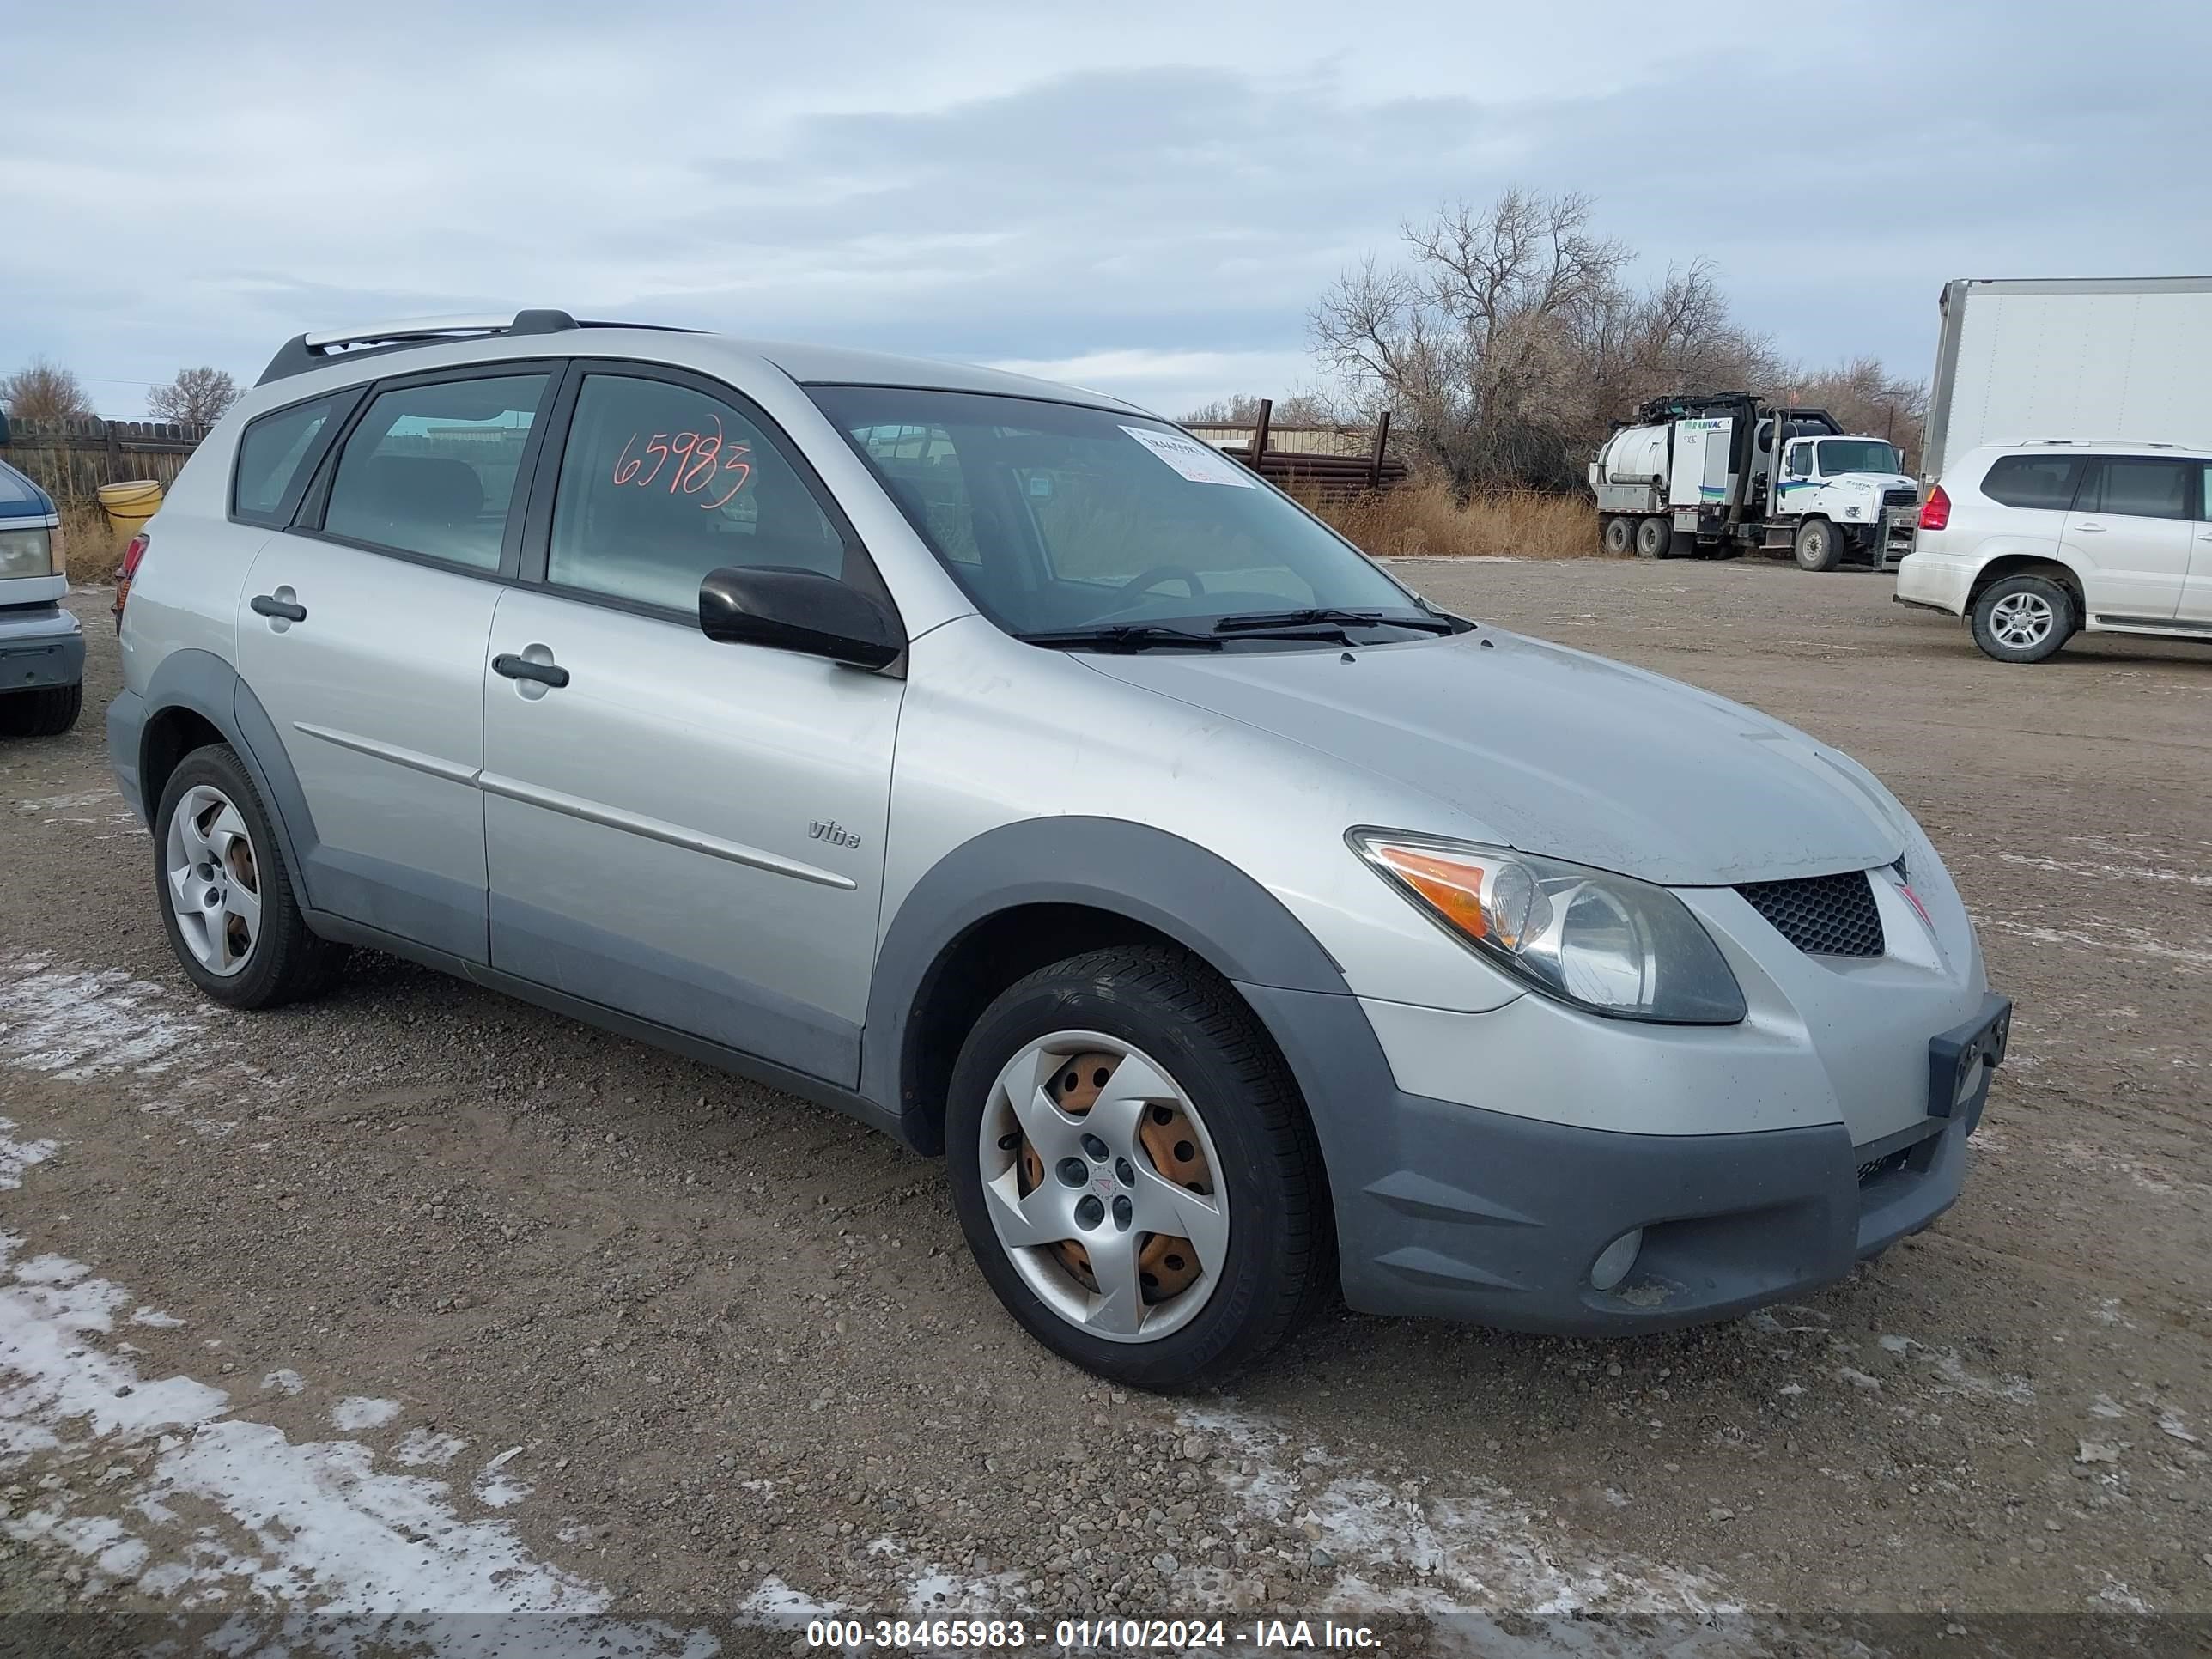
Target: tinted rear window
431 468
271 454
2044 481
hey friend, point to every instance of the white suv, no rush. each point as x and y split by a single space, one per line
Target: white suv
2034 542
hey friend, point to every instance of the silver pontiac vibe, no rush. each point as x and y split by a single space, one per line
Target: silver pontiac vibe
998 763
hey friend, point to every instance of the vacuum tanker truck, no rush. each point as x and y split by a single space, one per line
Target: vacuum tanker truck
1700 476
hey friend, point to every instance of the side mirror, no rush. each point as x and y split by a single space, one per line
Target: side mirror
799 610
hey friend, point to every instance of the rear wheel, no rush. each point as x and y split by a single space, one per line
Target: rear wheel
1819 545
1133 1170
1619 537
46 713
2023 618
1654 539
225 896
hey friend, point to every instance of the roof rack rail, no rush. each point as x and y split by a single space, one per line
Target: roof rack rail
303 352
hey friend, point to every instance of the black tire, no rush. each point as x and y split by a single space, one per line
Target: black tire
1653 537
286 961
1280 1249
46 713
2006 613
1819 545
1619 537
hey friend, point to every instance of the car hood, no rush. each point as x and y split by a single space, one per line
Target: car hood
1879 480
1556 751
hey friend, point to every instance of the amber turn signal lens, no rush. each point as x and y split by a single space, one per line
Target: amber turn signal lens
1453 888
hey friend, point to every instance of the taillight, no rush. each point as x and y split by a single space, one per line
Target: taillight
1936 511
132 555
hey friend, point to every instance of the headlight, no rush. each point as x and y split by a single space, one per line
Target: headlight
25 553
1609 943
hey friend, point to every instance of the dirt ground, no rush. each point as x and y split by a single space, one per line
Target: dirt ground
417 1301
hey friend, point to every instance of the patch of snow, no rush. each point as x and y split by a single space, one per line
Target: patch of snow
420 1449
17 1156
42 804
357 1411
495 1488
286 1381
1472 1550
214 1509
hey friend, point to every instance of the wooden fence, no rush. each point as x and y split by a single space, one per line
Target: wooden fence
70 460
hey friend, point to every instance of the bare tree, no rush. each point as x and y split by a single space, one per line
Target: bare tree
1477 343
1511 340
1303 407
1865 396
197 396
46 391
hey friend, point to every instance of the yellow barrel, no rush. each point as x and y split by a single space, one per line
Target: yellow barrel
128 505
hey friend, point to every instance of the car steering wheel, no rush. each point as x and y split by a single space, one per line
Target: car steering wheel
1163 573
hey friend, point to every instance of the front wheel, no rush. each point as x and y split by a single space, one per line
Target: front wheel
1133 1169
1819 545
2023 618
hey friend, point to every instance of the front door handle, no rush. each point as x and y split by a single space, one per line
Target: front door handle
268 604
2091 529
521 668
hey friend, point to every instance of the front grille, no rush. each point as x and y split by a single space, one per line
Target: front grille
1823 916
1900 498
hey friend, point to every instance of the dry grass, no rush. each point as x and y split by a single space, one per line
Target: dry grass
1421 519
92 548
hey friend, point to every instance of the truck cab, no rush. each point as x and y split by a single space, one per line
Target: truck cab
1856 486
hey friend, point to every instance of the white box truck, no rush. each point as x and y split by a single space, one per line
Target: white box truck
2126 358
1695 476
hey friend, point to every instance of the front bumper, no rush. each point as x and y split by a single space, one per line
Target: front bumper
1452 1211
41 645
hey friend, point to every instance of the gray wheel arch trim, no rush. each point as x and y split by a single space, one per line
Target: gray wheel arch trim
1172 885
204 683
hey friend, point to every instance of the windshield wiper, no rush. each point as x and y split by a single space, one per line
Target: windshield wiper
1121 636
1268 620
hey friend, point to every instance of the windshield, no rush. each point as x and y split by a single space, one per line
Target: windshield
1858 455
1055 518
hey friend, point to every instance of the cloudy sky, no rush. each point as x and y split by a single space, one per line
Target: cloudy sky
1145 198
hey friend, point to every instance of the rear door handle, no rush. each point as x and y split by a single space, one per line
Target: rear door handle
2093 529
268 604
521 668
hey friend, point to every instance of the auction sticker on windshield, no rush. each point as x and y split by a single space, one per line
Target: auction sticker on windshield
1200 463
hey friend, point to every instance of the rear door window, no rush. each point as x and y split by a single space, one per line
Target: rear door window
2146 487
276 453
431 469
2046 482
661 484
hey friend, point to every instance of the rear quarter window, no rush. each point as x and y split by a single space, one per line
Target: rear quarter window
275 453
2035 481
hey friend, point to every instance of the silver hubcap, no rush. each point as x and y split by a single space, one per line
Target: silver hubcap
2020 620
215 880
1100 1179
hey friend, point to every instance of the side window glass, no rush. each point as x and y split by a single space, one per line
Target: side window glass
921 463
2145 489
270 453
660 484
431 469
2204 493
2033 481
1800 462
